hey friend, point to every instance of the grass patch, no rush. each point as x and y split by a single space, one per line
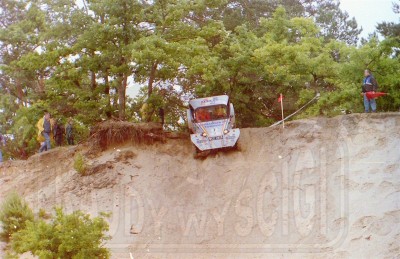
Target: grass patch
80 164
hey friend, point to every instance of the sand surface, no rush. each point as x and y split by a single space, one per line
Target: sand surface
320 188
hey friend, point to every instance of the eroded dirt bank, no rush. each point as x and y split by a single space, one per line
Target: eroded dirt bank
320 188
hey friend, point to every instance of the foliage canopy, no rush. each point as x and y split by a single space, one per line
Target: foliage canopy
83 59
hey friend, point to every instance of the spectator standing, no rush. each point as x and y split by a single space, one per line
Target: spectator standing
69 129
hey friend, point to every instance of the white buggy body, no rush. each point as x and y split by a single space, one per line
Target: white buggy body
211 121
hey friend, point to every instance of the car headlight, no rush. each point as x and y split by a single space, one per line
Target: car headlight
204 134
226 131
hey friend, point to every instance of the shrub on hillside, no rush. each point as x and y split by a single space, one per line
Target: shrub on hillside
65 236
79 164
14 215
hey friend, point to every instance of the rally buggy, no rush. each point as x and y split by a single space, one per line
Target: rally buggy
211 123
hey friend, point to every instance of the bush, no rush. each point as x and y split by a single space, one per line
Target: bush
79 164
14 215
66 236
42 214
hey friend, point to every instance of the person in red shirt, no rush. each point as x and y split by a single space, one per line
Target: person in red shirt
202 115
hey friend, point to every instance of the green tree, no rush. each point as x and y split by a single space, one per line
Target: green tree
160 53
345 96
390 29
116 28
14 216
292 58
76 235
335 23
20 28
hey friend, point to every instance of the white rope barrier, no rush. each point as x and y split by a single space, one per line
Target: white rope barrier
301 108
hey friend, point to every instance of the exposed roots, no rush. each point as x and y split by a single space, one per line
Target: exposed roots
111 132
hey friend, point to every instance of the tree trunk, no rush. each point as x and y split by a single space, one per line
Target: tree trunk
20 94
107 93
93 80
107 84
41 84
151 79
122 96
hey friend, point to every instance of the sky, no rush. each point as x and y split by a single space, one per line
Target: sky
369 13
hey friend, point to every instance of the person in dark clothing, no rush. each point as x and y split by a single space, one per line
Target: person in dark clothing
69 132
58 133
45 127
369 85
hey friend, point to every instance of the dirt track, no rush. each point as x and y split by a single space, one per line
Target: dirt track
319 188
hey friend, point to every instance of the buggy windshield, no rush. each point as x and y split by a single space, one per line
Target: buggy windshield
210 113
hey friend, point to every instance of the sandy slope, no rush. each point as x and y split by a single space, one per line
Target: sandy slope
321 188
